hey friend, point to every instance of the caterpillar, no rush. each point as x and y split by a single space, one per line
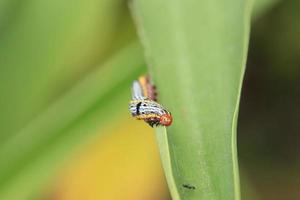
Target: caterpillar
144 89
143 105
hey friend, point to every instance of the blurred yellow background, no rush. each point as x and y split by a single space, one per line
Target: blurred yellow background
123 165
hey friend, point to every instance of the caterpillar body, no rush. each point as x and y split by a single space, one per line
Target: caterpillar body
143 89
143 105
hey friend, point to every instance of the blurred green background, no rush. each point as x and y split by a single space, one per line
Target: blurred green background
268 130
47 48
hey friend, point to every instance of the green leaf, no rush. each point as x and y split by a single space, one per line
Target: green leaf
196 51
32 156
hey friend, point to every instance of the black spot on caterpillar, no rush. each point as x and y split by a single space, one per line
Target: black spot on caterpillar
138 108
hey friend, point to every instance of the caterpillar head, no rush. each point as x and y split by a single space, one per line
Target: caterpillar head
166 119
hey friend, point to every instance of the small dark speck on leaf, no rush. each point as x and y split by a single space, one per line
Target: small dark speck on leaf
188 186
